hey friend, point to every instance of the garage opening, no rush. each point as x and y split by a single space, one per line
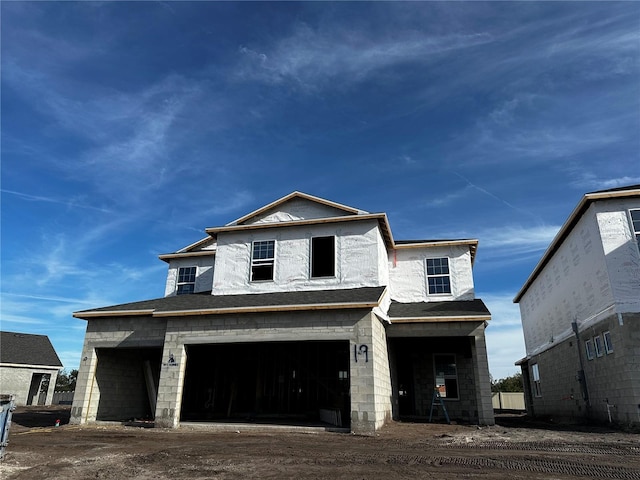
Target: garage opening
282 383
127 382
423 365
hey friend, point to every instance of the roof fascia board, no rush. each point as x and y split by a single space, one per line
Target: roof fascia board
165 257
28 365
112 313
562 234
195 244
266 308
449 318
437 243
472 243
294 223
295 194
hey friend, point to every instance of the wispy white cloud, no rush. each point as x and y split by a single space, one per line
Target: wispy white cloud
590 182
73 203
518 238
311 57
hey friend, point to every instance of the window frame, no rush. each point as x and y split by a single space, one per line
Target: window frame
181 282
633 222
589 349
262 262
535 380
599 345
446 377
312 258
608 344
438 275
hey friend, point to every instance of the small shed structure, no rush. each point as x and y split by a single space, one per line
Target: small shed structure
29 367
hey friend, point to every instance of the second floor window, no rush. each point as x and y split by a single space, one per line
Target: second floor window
186 280
438 279
323 257
262 260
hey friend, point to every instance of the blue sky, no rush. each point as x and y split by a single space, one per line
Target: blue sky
129 127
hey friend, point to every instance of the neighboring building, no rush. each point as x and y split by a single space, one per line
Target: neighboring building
302 310
580 312
29 368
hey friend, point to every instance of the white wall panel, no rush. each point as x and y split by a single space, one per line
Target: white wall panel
408 273
357 264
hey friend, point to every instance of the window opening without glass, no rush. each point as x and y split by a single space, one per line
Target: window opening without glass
262 259
323 257
438 276
446 375
186 280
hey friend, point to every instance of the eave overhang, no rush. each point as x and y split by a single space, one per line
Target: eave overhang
464 318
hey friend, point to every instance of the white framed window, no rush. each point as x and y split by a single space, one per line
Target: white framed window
588 348
438 278
635 225
446 375
608 344
186 280
599 346
262 260
323 257
535 375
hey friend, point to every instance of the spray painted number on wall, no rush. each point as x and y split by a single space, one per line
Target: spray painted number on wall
362 350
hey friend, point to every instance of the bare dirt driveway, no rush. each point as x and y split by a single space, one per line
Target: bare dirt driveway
515 448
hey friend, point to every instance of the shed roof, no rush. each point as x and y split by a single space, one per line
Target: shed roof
27 349
203 304
456 310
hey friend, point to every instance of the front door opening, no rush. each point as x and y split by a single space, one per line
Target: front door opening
280 382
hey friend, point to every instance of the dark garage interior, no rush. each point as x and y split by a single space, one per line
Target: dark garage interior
275 382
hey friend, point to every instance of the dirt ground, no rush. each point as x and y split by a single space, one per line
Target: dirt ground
515 447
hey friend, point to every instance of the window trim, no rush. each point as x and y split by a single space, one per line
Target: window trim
447 377
535 380
438 275
589 349
263 261
311 257
183 283
608 344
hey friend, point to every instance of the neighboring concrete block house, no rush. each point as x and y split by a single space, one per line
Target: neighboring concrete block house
580 312
304 310
29 368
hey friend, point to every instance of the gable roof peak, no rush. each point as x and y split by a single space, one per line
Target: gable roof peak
294 195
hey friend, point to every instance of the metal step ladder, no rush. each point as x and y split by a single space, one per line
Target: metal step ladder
435 401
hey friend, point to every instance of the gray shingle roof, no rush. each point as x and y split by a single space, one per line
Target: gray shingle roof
214 302
456 308
27 349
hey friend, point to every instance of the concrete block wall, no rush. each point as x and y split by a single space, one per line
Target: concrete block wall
612 379
561 393
354 326
17 380
482 380
382 374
